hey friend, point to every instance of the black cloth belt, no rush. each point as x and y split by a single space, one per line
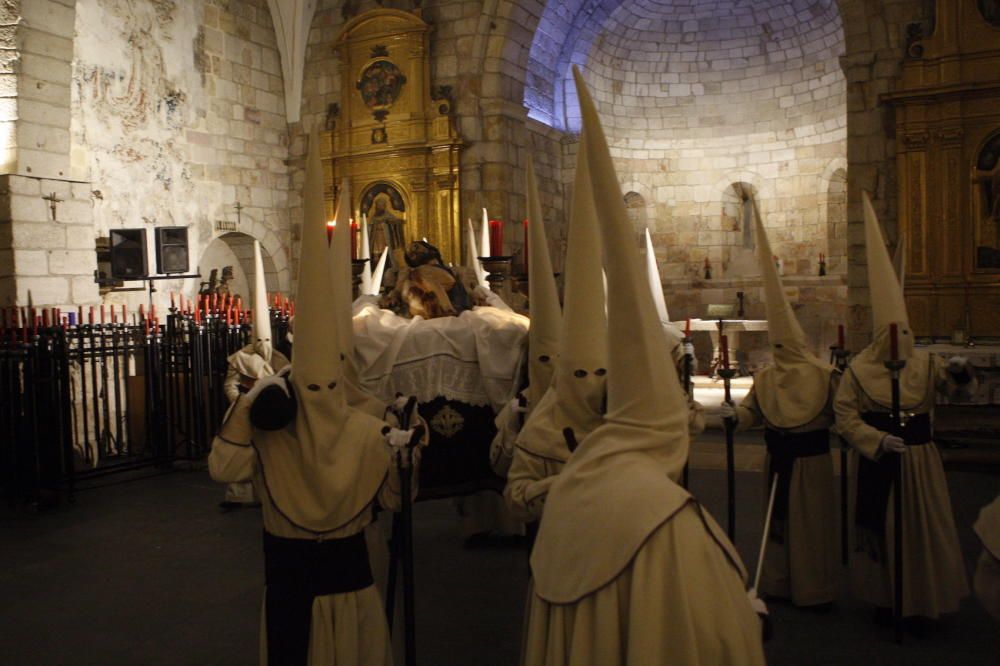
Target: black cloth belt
785 448
296 571
875 479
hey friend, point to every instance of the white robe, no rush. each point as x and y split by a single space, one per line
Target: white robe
347 629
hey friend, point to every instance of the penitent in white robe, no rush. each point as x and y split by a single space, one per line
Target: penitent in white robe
934 573
680 601
348 629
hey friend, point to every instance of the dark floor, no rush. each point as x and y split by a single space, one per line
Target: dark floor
150 572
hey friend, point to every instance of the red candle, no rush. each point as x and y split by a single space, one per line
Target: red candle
102 313
840 336
45 318
687 328
152 311
724 346
145 325
114 317
329 230
142 311
124 314
291 309
90 316
894 341
277 301
354 239
197 316
496 238
172 305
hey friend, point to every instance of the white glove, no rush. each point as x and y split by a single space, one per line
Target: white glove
689 349
398 442
515 406
757 603
727 411
271 380
893 444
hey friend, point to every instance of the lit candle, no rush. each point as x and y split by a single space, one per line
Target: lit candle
496 238
894 341
724 347
330 226
172 304
840 336
687 328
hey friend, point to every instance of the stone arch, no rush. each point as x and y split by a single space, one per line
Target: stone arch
833 214
235 248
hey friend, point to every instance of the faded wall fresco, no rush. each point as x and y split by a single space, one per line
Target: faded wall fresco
177 116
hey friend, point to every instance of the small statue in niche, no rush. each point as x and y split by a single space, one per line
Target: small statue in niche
386 229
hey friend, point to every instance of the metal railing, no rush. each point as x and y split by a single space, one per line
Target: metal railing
83 398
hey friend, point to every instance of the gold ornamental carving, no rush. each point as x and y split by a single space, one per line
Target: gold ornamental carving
393 135
947 116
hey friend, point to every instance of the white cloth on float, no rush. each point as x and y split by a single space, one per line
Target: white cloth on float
475 358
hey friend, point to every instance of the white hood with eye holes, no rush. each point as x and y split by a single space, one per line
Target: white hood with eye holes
796 389
888 307
324 468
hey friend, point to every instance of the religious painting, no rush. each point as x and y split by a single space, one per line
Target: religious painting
987 206
385 208
990 9
380 85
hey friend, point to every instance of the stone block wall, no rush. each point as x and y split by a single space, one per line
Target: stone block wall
178 114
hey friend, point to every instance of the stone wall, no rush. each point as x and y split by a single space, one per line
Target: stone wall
178 114
47 254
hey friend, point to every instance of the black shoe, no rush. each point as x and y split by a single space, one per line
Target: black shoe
883 616
230 506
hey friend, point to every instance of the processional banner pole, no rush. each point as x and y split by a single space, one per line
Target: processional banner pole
838 358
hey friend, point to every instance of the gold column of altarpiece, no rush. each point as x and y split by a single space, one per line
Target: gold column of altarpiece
947 122
392 135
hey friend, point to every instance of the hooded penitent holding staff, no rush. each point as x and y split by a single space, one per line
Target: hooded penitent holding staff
679 350
255 361
793 400
543 335
934 578
572 406
320 466
627 567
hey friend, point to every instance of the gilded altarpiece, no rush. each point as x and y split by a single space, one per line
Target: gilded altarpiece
393 135
947 113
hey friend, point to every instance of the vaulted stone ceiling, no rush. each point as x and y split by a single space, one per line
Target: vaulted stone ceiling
650 61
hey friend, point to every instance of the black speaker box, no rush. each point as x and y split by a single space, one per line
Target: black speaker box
171 250
128 254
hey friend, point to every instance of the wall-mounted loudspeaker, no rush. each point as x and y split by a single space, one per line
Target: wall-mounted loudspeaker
172 250
128 254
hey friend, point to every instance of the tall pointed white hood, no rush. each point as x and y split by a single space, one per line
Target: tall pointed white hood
576 394
795 390
262 342
888 307
622 476
674 335
325 467
543 298
341 288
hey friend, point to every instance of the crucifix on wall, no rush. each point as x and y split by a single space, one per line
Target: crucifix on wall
53 201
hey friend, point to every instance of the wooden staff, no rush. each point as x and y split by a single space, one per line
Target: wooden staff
895 365
838 358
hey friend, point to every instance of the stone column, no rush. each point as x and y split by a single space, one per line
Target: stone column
47 246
